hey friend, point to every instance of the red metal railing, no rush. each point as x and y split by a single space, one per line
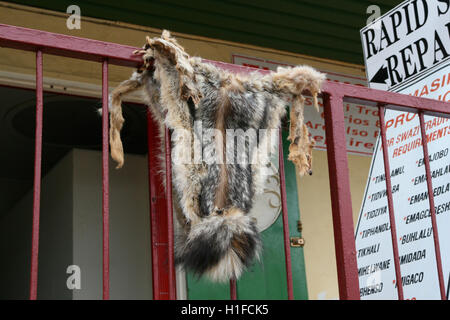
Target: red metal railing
333 94
158 216
345 245
287 244
387 173
37 177
105 179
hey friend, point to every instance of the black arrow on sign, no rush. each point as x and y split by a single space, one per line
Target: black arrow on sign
381 76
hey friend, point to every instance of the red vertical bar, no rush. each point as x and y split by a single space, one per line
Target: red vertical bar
233 291
37 178
172 281
387 173
105 180
287 244
158 213
432 208
341 201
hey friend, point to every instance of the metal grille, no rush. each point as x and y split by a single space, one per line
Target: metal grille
333 94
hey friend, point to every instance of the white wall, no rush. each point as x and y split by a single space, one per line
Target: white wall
130 255
71 232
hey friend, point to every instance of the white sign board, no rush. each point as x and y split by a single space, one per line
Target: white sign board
407 50
361 122
407 43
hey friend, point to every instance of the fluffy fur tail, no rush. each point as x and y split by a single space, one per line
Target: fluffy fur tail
220 247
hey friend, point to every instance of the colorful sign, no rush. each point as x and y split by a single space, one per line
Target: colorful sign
407 50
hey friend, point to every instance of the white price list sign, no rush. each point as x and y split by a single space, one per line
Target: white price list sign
407 50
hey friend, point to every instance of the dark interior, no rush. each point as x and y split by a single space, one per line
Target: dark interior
68 122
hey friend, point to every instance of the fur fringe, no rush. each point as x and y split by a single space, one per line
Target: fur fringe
220 247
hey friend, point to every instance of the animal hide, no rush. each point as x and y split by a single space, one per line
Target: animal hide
215 194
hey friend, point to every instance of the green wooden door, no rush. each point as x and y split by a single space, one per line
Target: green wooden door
267 279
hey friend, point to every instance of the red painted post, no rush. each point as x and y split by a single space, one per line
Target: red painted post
437 247
344 240
158 213
172 281
387 173
37 177
287 243
396 101
233 291
105 179
67 46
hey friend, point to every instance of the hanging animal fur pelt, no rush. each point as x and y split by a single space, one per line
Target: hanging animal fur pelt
220 239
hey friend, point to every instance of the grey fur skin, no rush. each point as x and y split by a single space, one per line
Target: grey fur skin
220 240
